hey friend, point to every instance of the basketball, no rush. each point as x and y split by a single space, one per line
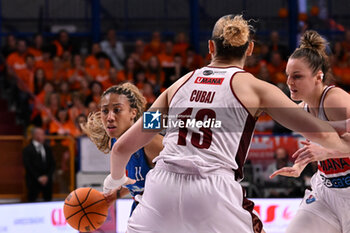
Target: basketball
85 209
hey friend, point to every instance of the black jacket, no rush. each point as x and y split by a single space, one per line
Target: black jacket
34 164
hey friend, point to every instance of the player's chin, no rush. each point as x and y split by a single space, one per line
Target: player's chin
113 132
295 97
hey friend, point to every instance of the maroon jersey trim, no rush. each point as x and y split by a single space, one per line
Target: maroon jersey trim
181 86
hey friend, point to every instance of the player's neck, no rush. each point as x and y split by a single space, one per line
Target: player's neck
313 101
224 63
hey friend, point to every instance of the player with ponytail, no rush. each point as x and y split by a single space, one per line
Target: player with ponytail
325 208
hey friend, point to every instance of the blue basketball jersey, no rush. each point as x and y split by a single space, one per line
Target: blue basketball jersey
137 168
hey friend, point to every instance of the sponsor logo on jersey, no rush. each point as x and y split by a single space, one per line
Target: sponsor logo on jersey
220 72
333 166
310 199
211 81
207 72
151 120
336 182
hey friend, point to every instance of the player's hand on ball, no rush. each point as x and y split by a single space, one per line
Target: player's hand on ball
110 184
111 196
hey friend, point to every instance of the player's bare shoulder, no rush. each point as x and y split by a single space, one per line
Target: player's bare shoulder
246 79
335 96
337 104
243 85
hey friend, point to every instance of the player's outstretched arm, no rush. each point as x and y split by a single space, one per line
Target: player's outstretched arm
132 140
309 153
258 95
286 112
336 107
341 127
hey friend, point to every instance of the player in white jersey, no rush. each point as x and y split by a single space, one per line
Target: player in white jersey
325 208
194 186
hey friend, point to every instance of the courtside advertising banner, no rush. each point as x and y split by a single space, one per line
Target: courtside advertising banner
43 217
40 217
276 214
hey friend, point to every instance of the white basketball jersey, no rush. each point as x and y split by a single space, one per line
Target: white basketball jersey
207 124
333 173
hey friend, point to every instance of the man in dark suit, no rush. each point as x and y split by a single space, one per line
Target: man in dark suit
39 165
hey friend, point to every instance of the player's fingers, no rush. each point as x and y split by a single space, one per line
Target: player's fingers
298 152
306 161
302 155
303 161
108 196
107 192
276 173
281 171
305 142
130 181
273 175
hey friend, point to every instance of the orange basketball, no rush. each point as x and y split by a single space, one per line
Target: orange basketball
85 209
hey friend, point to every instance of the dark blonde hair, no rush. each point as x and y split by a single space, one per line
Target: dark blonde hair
231 35
313 50
94 128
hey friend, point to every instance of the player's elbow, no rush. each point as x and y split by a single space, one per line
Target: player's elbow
119 149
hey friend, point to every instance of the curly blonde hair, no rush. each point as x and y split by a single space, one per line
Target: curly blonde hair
94 128
231 34
234 31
